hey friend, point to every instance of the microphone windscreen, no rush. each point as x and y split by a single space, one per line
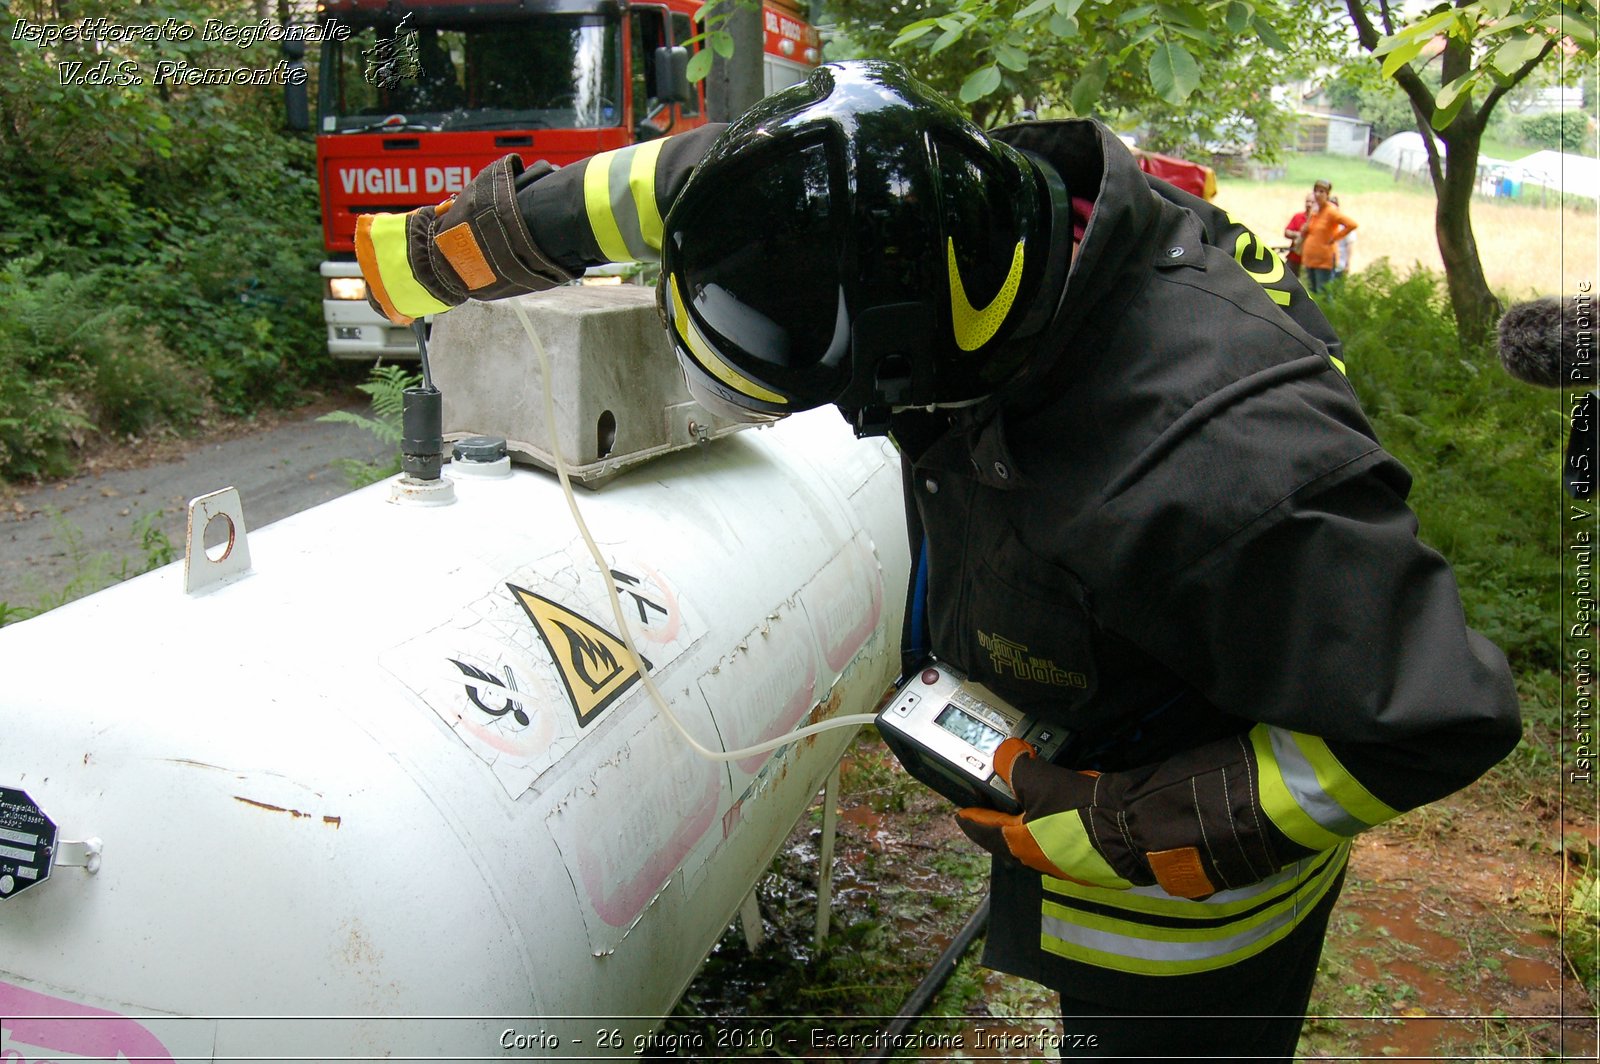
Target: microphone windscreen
1549 342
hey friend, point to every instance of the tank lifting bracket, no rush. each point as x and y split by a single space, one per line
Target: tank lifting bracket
220 512
79 853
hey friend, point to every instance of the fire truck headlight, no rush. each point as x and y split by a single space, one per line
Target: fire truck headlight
347 288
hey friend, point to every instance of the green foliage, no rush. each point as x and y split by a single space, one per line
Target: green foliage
878 777
387 386
1506 42
1580 922
1189 74
1485 451
179 217
1358 87
71 360
1559 132
713 39
154 543
1484 50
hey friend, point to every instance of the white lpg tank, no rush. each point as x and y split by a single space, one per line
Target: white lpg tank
294 813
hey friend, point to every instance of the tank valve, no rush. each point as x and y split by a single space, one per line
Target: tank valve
422 420
422 440
422 433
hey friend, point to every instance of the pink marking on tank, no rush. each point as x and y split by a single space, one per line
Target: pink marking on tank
56 1025
791 713
841 586
789 673
618 902
533 740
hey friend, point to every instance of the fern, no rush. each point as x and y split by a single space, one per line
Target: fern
387 386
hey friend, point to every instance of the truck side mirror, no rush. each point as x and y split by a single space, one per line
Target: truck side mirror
672 75
296 104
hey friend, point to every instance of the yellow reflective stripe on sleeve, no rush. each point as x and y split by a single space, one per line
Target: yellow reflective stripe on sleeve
974 327
619 196
1148 949
642 184
597 203
1342 787
1226 932
1064 840
1338 365
389 248
1307 793
1277 801
708 357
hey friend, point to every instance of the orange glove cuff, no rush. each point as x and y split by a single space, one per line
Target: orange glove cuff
1006 754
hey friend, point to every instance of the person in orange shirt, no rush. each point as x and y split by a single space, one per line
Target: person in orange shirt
1323 231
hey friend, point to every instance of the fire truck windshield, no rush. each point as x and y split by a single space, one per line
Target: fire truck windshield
539 71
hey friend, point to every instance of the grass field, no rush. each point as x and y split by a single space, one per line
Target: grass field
1526 249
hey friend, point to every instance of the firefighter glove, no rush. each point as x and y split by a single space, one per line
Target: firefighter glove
1193 824
1055 832
476 245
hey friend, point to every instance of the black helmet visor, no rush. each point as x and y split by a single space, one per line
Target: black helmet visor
759 273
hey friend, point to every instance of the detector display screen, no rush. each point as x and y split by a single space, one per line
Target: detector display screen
969 729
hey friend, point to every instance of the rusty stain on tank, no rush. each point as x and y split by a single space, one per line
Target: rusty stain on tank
296 813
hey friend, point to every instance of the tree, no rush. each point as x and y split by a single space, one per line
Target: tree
1188 72
1485 48
729 57
1142 56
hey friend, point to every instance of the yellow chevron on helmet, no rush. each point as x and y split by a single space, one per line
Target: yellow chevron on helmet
973 327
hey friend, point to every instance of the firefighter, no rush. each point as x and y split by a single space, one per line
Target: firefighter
1145 500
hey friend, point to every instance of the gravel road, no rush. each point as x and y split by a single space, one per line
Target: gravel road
87 530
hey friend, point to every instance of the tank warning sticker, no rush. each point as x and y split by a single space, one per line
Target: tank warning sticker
522 672
594 664
512 704
27 843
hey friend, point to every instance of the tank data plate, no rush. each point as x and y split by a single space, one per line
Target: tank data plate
27 842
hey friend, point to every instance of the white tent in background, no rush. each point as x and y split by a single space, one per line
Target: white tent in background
1402 153
1574 175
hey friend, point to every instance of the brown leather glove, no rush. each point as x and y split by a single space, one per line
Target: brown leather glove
1193 824
476 245
1051 834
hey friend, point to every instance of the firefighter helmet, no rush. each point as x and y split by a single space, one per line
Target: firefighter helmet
854 240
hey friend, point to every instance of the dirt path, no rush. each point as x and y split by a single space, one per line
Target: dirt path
128 507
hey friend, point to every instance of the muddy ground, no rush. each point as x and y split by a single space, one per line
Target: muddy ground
1444 945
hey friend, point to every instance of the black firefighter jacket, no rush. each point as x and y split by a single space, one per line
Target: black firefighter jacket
1177 536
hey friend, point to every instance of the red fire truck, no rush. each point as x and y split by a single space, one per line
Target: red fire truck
415 98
